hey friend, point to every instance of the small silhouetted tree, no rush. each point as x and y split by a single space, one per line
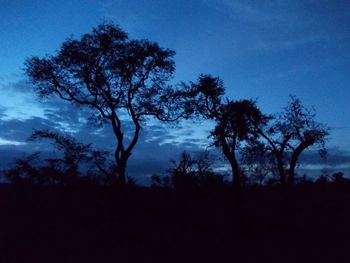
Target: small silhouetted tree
102 167
208 178
24 171
258 160
183 173
292 131
119 79
75 155
339 178
73 152
189 172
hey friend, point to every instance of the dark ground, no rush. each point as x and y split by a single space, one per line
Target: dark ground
157 225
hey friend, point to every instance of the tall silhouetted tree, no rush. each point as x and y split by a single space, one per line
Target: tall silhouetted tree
118 78
235 120
293 130
236 125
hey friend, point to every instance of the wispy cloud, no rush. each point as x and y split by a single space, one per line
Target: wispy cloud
10 142
275 25
255 11
267 45
22 103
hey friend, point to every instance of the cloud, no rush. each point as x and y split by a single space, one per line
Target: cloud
20 101
20 130
149 156
297 11
335 156
8 142
19 86
289 43
248 10
158 143
282 25
336 160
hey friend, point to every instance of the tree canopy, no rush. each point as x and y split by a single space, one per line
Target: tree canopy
292 131
118 78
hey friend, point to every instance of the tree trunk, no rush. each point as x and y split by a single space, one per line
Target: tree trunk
120 192
121 168
121 175
236 177
230 155
281 172
291 172
293 162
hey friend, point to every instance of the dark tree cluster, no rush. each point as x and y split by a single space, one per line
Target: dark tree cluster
263 139
190 173
64 170
121 80
80 205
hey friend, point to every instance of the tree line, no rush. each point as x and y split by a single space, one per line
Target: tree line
121 80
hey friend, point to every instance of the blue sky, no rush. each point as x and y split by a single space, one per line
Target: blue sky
261 49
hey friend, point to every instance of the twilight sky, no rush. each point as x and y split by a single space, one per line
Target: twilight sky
261 49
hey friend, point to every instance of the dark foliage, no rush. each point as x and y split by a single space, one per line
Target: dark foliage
190 173
84 224
81 207
291 132
118 78
236 121
66 169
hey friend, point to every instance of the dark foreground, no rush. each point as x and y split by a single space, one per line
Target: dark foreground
155 225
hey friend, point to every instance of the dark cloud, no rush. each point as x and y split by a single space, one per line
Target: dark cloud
10 152
335 156
158 143
151 155
19 130
3 112
20 86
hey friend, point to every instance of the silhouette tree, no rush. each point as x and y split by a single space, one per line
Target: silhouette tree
208 95
183 173
293 131
190 172
256 157
24 172
208 178
236 125
65 169
102 167
73 151
338 178
235 120
120 79
161 181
